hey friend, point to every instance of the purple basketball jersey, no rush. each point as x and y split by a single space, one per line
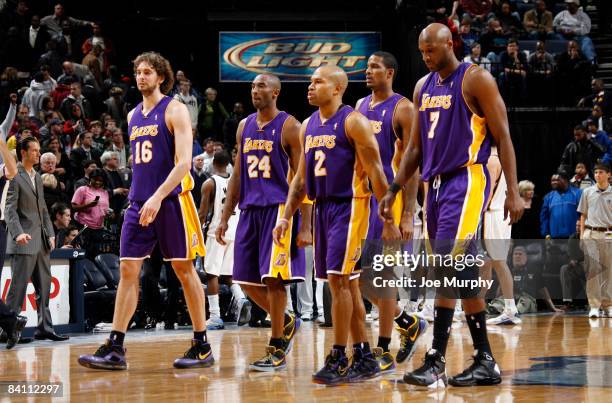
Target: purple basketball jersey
264 167
381 119
452 136
153 152
332 167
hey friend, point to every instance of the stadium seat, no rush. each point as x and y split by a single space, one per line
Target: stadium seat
109 266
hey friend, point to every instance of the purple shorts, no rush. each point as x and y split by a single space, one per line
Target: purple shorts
340 226
176 227
257 257
455 205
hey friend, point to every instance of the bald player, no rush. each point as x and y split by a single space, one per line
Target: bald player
340 154
268 153
390 115
456 104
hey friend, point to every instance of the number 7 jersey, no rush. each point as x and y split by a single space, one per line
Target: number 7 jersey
452 135
264 164
153 153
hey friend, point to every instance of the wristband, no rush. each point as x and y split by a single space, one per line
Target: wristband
394 188
283 220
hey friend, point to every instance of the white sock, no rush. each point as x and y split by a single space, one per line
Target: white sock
237 291
213 306
510 305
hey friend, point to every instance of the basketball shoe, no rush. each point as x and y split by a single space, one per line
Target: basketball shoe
409 337
334 371
431 374
386 362
109 356
199 355
291 327
483 371
364 366
272 361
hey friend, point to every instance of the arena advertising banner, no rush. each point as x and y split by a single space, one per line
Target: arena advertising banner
293 56
59 297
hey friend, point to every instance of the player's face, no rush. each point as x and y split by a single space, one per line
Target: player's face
320 90
377 74
147 78
434 54
262 93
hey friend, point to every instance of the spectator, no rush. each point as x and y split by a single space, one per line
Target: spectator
468 36
510 22
538 22
512 81
47 106
599 97
196 148
572 273
574 71
477 10
37 36
23 122
115 105
53 22
189 100
68 238
581 179
62 162
575 24
34 95
88 167
558 215
69 73
209 152
93 63
60 214
66 45
541 65
76 123
230 126
603 123
541 62
601 137
106 44
212 116
48 81
76 97
581 149
493 40
53 127
595 225
21 134
528 227
91 206
119 147
51 191
199 177
85 151
118 189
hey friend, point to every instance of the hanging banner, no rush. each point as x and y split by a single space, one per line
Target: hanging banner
293 56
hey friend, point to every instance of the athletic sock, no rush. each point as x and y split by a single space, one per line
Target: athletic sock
213 306
276 343
383 342
200 336
237 292
477 323
511 305
443 319
404 320
117 338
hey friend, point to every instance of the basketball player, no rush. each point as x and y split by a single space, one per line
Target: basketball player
219 262
390 115
268 153
496 233
340 153
456 103
161 211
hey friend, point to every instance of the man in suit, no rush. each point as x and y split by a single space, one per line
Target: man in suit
31 238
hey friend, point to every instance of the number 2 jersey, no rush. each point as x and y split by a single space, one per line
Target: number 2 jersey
452 135
333 170
264 164
153 153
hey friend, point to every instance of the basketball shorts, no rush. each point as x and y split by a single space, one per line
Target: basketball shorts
257 257
219 259
176 228
496 233
340 226
455 205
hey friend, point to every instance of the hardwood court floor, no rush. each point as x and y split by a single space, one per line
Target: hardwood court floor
570 351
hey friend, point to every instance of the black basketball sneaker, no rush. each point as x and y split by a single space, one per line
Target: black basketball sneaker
483 371
432 374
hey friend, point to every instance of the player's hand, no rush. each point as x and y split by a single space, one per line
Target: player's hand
220 232
278 233
23 239
304 237
407 226
513 208
149 211
384 207
391 232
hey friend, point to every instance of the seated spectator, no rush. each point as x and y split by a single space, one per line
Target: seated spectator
558 215
528 227
602 138
76 97
575 24
209 151
88 167
115 106
541 62
51 191
60 214
476 58
34 95
48 165
69 74
100 140
468 36
62 165
76 123
603 123
48 106
581 179
512 81
477 10
573 278
85 151
510 21
581 149
53 126
119 147
67 238
600 96
541 65
538 22
118 190
574 73
493 40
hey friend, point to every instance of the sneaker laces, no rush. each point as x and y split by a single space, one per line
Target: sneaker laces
192 353
105 349
332 363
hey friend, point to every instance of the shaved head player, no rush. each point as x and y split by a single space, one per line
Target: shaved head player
456 103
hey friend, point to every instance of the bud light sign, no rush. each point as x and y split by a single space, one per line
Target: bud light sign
293 56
